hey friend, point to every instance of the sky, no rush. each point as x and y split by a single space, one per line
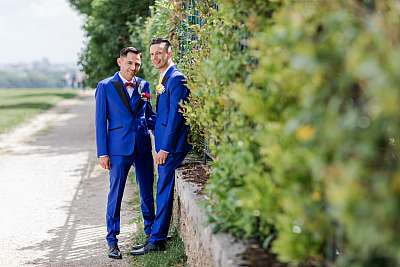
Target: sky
31 30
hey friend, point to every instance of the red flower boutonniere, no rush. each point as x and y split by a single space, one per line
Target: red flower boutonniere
145 96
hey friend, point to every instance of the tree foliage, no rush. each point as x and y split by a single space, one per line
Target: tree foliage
38 74
108 27
156 25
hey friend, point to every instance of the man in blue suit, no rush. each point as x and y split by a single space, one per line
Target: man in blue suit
123 118
171 144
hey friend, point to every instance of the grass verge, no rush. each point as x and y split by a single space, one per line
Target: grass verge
19 105
174 255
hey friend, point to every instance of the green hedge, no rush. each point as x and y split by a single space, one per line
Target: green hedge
298 101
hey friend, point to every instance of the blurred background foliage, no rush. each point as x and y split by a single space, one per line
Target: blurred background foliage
108 26
38 74
298 103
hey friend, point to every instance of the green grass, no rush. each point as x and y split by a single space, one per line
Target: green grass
174 255
20 105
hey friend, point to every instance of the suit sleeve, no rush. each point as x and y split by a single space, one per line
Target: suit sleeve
178 94
101 120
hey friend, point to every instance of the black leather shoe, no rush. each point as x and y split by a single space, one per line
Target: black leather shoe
114 252
148 248
139 246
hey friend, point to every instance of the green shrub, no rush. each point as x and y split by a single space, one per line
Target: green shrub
298 101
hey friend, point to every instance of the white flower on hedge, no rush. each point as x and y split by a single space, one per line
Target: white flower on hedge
296 229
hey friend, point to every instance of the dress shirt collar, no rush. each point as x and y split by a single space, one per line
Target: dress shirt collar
165 71
124 80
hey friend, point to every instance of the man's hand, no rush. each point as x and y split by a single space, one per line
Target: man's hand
105 162
161 157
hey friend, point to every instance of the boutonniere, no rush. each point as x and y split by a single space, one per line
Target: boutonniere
160 89
141 86
145 96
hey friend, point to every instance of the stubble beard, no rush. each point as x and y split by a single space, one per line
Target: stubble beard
128 75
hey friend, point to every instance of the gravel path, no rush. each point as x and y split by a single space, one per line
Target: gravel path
53 193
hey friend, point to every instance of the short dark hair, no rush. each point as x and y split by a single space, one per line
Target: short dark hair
130 49
161 41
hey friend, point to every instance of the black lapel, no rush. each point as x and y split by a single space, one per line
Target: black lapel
120 90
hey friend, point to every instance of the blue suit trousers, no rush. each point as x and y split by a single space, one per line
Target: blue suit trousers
119 168
165 196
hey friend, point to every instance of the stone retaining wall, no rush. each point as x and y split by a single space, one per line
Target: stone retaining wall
202 247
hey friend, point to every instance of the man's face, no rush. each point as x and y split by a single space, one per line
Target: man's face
129 65
160 56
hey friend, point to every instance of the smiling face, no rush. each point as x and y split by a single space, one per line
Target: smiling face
129 65
160 56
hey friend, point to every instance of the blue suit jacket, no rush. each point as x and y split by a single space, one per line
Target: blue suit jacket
171 132
122 122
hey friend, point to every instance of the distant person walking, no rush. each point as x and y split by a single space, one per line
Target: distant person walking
170 140
123 118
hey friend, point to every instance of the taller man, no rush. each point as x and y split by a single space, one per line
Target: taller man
170 139
123 115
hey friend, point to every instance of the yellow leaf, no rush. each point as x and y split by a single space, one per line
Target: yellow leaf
305 133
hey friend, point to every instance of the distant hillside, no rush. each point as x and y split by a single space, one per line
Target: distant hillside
40 74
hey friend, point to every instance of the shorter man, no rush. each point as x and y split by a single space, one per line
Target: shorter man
122 137
170 140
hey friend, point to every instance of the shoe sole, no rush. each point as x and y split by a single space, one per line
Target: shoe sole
140 254
115 257
137 247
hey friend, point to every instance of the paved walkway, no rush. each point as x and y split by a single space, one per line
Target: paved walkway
53 193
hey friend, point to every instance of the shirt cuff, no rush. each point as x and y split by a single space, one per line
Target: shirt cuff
164 151
103 156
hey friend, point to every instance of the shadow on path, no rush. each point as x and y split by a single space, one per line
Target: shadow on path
80 241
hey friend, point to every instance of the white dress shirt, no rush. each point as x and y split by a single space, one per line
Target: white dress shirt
129 89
